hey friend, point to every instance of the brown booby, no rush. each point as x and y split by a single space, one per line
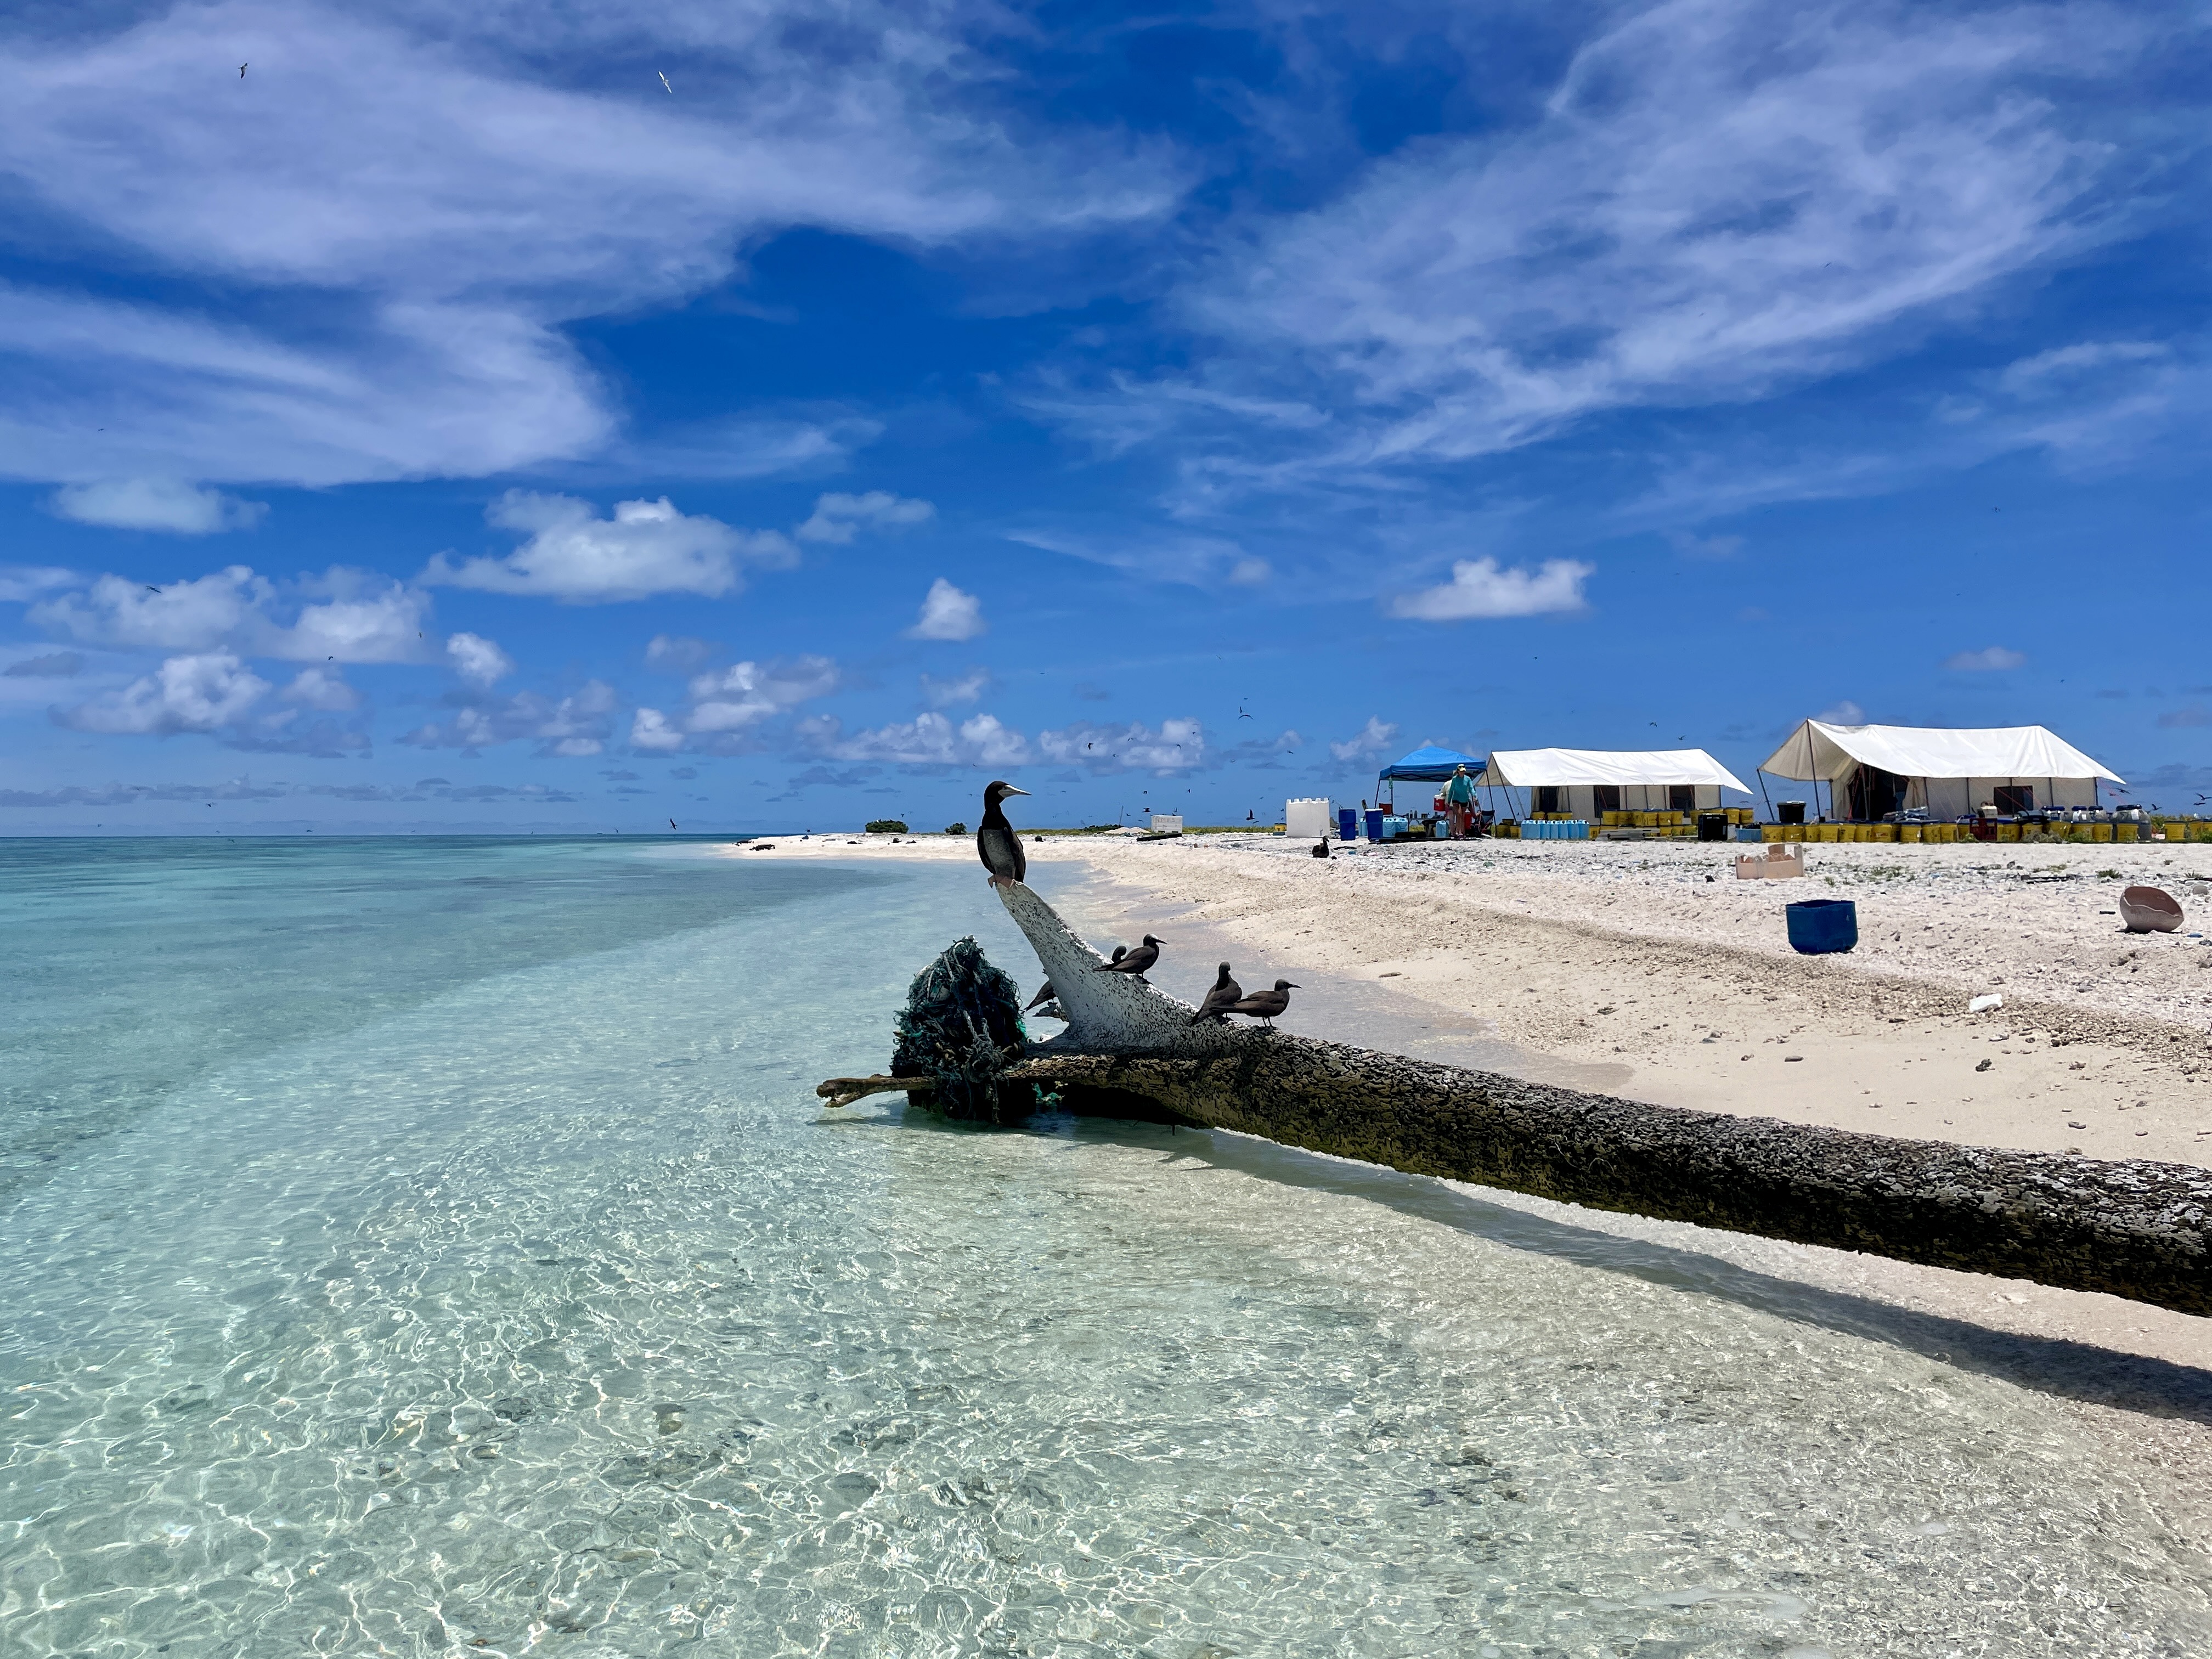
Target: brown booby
1225 994
1134 961
996 843
1266 1005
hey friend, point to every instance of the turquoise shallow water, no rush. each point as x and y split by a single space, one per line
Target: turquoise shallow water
433 1248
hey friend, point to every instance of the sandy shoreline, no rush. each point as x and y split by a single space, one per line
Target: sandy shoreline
1619 968
1627 964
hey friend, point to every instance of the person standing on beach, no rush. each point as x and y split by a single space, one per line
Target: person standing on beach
1459 803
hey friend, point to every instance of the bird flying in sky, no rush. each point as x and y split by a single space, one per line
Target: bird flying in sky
664 81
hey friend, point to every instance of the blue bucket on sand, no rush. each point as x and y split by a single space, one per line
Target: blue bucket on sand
1374 824
1820 927
1348 823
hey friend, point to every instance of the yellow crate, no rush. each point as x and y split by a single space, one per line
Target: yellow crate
1910 833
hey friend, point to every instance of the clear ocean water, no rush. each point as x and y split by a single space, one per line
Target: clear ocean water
422 1246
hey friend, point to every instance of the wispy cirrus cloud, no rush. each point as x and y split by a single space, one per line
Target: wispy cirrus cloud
839 519
422 198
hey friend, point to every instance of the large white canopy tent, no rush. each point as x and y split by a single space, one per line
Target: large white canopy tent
1585 783
1948 773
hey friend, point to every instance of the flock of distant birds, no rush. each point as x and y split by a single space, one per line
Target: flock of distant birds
999 846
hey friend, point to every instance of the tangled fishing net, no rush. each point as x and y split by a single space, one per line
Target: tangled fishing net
962 1027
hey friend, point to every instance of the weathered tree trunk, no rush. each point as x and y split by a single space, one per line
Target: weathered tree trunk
2137 1229
2134 1228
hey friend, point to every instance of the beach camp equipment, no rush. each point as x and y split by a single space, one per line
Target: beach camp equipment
1306 817
1938 772
1348 823
1820 927
1780 864
1661 789
2149 910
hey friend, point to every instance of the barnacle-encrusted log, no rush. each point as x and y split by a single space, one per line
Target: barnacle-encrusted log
2134 1228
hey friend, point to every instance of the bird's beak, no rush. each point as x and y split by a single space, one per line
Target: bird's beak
1012 791
1295 986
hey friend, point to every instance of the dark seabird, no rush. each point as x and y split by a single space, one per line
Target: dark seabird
1267 1005
1225 994
1044 994
1134 962
996 843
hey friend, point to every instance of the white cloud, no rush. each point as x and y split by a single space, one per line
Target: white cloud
352 616
646 548
948 614
649 729
169 504
1993 659
947 694
577 725
1842 712
433 193
1250 573
21 583
1480 587
2033 376
928 739
179 616
1178 745
197 693
1377 737
477 660
320 687
838 519
368 618
747 693
1719 199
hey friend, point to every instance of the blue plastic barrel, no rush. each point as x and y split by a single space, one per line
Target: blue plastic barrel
1374 824
1820 927
1348 823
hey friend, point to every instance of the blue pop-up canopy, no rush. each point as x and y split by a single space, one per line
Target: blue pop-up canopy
1430 764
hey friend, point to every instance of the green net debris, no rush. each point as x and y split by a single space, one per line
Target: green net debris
962 1027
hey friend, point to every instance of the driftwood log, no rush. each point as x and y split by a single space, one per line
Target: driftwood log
2133 1229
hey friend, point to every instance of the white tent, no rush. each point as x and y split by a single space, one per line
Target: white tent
1587 782
1950 773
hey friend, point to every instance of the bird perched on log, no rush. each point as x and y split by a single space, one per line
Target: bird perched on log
1266 1005
1044 994
996 843
1134 962
1224 995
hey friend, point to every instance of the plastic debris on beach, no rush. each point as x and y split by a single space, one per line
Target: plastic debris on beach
961 1028
1982 1005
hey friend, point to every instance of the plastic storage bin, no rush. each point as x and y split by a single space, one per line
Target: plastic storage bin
1375 815
1820 928
1348 823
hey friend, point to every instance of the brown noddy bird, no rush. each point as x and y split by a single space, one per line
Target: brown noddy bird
1134 962
996 842
1266 1005
1225 994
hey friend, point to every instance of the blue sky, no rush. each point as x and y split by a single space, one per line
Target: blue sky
449 424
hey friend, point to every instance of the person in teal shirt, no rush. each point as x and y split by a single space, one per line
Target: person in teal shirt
1459 803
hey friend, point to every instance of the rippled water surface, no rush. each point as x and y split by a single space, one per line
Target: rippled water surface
434 1248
